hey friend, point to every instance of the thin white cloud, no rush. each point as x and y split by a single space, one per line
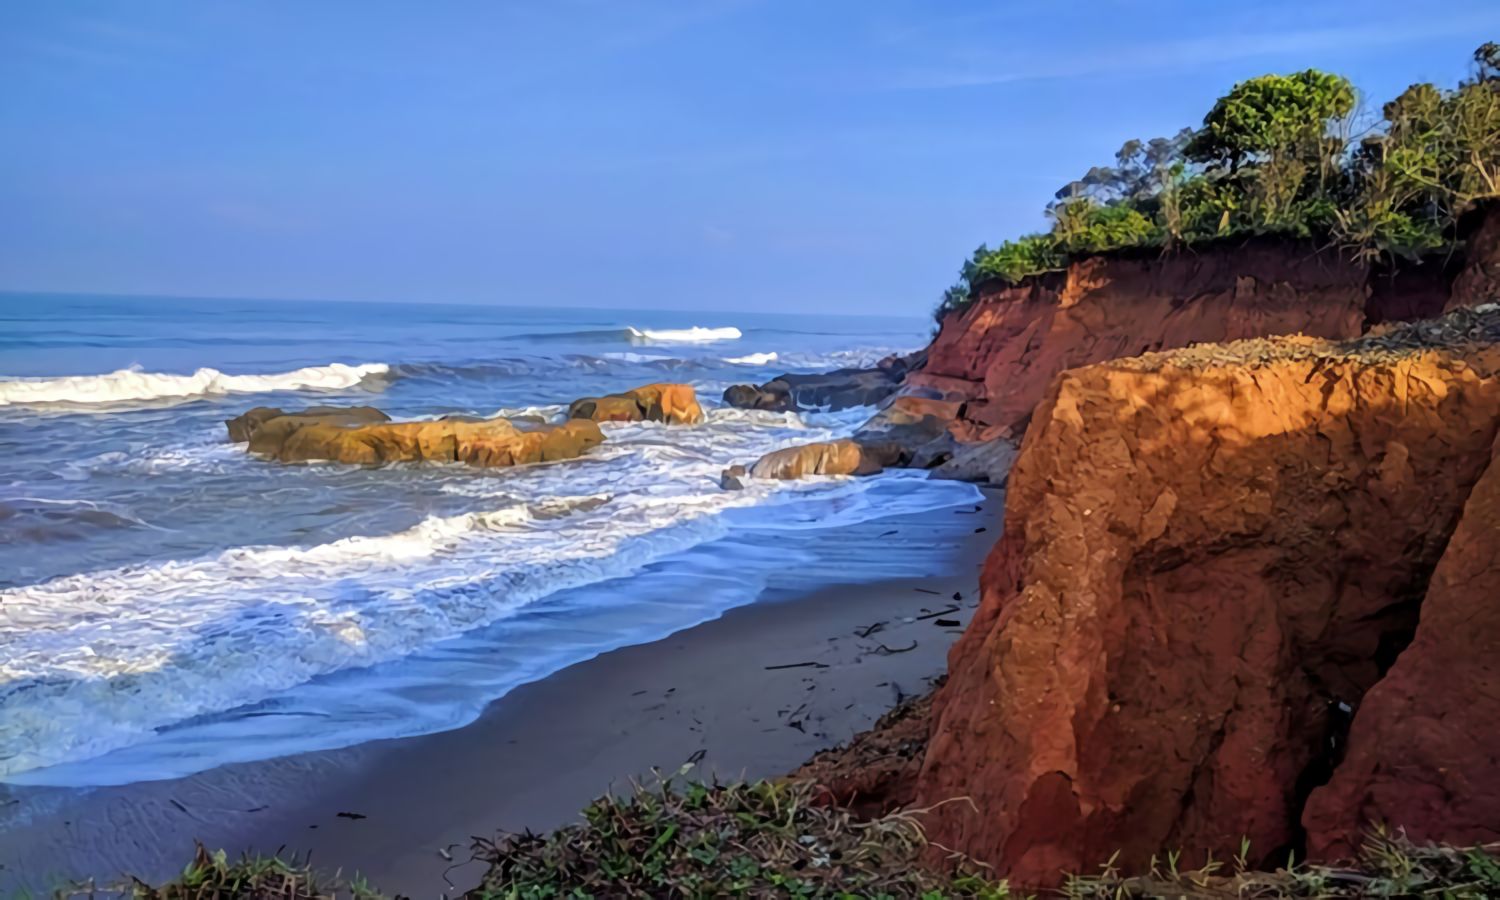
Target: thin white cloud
1192 53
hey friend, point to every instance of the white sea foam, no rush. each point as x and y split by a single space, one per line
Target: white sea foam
752 359
132 384
695 335
102 660
859 358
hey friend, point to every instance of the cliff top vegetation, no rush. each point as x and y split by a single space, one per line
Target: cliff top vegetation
1285 155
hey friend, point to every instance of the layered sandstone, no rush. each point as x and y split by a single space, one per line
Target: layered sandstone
999 354
675 404
488 442
1208 556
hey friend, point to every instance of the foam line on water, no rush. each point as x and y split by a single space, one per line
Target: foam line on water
719 563
99 660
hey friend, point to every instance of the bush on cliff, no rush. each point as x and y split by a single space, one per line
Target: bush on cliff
1278 155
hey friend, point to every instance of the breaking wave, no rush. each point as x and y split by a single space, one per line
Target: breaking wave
694 335
753 359
129 385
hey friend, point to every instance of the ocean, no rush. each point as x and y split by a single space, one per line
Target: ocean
169 603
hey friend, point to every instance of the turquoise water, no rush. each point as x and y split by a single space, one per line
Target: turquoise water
168 603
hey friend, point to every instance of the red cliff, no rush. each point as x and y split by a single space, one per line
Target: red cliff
1424 751
1001 352
1209 556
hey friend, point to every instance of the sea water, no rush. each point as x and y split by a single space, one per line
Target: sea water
169 603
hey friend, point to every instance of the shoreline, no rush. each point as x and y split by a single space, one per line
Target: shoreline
752 693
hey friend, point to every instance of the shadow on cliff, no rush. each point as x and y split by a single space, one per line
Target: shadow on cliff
1207 563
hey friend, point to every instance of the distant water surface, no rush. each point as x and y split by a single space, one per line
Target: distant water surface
168 603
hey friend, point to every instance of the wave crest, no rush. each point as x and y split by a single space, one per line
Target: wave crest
695 335
132 384
753 359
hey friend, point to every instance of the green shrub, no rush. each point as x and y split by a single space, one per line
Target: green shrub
1273 157
1082 226
1018 259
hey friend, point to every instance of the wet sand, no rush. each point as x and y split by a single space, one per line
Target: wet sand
753 693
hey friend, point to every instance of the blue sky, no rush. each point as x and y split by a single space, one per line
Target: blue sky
725 154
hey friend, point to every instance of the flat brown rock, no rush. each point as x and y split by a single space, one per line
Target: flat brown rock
242 426
491 442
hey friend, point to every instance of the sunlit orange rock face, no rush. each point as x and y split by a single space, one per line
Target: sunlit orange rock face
1002 352
1424 751
1205 554
675 404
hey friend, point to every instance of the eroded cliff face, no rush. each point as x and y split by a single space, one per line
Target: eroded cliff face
1424 751
1000 353
1479 282
1209 557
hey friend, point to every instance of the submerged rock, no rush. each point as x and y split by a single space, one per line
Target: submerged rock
839 389
244 425
733 478
771 397
675 404
1208 555
490 442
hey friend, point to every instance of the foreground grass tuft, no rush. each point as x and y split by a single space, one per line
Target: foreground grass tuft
211 876
1388 866
776 839
767 839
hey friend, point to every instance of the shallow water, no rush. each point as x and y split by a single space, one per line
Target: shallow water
168 603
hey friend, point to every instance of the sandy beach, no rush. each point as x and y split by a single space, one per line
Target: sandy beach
751 694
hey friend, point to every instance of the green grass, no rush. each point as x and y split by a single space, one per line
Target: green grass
776 839
767 839
212 876
1388 866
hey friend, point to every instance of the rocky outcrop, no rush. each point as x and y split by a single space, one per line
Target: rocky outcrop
1208 556
1424 750
242 426
490 442
1479 282
675 404
845 457
839 389
1000 353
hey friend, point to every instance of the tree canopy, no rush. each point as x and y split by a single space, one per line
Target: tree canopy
1283 155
